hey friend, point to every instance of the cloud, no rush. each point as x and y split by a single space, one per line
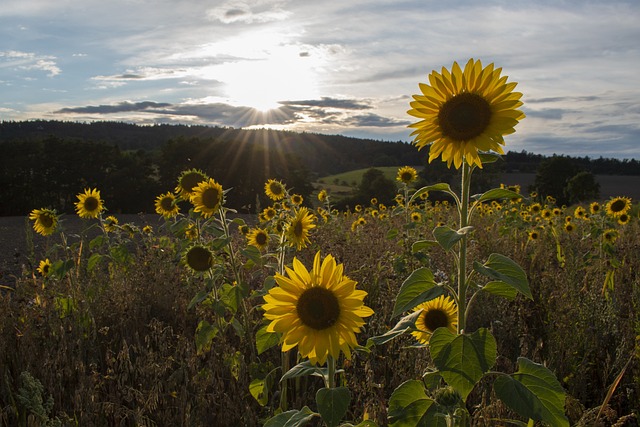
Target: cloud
328 102
29 61
243 12
117 108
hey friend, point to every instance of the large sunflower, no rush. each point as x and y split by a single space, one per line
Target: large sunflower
299 226
89 204
407 175
45 221
166 205
437 313
274 189
258 237
207 197
198 258
463 112
188 181
618 206
320 311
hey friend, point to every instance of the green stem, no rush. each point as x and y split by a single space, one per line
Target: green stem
462 257
330 381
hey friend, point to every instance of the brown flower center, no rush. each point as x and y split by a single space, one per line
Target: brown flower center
298 229
211 198
166 203
434 319
261 239
46 221
318 308
199 258
91 204
464 117
618 205
191 180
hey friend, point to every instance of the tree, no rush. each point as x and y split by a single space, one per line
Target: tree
582 186
552 177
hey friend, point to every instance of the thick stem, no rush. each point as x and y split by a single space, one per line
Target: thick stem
330 381
462 257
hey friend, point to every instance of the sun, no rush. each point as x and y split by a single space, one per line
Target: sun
268 68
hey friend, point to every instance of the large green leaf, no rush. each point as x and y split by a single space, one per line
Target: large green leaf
435 187
417 288
498 193
422 244
534 392
463 359
205 333
265 340
409 406
333 404
293 418
501 289
500 268
303 369
404 325
448 237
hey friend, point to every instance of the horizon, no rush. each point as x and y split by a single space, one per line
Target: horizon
330 68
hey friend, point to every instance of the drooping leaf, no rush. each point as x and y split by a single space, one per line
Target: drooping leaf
419 287
333 404
265 340
252 253
462 360
500 289
448 237
533 392
205 333
409 406
422 244
500 268
404 325
293 418
303 369
93 261
497 193
444 187
198 298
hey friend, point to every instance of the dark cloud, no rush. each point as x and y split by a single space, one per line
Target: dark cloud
117 108
375 120
546 113
327 102
235 13
562 99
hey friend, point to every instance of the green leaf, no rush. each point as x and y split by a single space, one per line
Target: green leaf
462 360
406 324
487 158
500 268
252 253
392 234
121 254
265 340
205 333
417 288
422 244
435 187
333 404
231 296
303 369
293 418
533 392
500 289
409 406
260 391
498 193
93 261
198 298
448 237
97 242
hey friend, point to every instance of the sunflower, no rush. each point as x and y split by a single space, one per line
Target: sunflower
624 219
579 212
45 221
258 237
319 311
166 205
147 229
569 227
44 268
298 228
297 199
207 197
533 235
111 224
89 204
437 313
188 181
618 206
269 213
191 232
274 189
407 175
610 235
198 258
322 196
594 208
535 208
416 217
373 201
546 214
463 112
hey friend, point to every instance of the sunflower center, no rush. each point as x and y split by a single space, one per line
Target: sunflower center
261 239
298 228
275 188
434 319
190 181
46 221
199 258
406 177
318 308
618 206
211 197
167 203
91 204
464 117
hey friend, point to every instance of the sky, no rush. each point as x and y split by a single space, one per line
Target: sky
344 67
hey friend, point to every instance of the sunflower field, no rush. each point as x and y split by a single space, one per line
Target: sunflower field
491 309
